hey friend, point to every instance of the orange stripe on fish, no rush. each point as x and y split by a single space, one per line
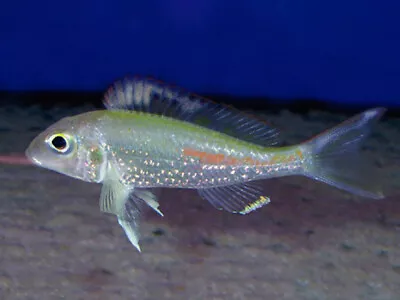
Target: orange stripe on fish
210 158
299 154
222 159
284 158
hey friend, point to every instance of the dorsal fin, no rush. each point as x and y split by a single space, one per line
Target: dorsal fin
148 95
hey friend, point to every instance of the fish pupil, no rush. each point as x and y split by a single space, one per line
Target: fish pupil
59 143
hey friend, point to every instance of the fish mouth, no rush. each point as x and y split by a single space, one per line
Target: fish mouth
32 158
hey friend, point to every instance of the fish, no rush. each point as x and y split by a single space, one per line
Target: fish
151 134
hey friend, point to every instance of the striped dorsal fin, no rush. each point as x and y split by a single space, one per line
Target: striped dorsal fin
147 95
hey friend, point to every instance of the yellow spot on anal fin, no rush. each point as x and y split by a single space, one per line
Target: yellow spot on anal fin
256 204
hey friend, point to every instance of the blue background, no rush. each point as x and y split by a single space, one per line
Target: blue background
339 51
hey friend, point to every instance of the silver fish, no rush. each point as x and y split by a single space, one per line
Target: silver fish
153 135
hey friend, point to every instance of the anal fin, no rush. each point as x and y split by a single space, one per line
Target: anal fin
238 198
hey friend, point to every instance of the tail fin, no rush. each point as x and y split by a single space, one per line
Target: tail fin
335 158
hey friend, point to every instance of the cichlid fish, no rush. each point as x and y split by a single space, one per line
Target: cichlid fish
153 135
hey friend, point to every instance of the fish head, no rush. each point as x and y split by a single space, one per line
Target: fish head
72 147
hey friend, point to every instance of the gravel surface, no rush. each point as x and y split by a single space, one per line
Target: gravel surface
312 242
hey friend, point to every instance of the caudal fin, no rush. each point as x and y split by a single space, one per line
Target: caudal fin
336 160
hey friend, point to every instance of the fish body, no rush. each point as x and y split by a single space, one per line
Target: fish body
152 135
153 151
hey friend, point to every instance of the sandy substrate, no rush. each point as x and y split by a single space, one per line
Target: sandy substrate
312 242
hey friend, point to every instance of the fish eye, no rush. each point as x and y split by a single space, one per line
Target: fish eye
59 142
